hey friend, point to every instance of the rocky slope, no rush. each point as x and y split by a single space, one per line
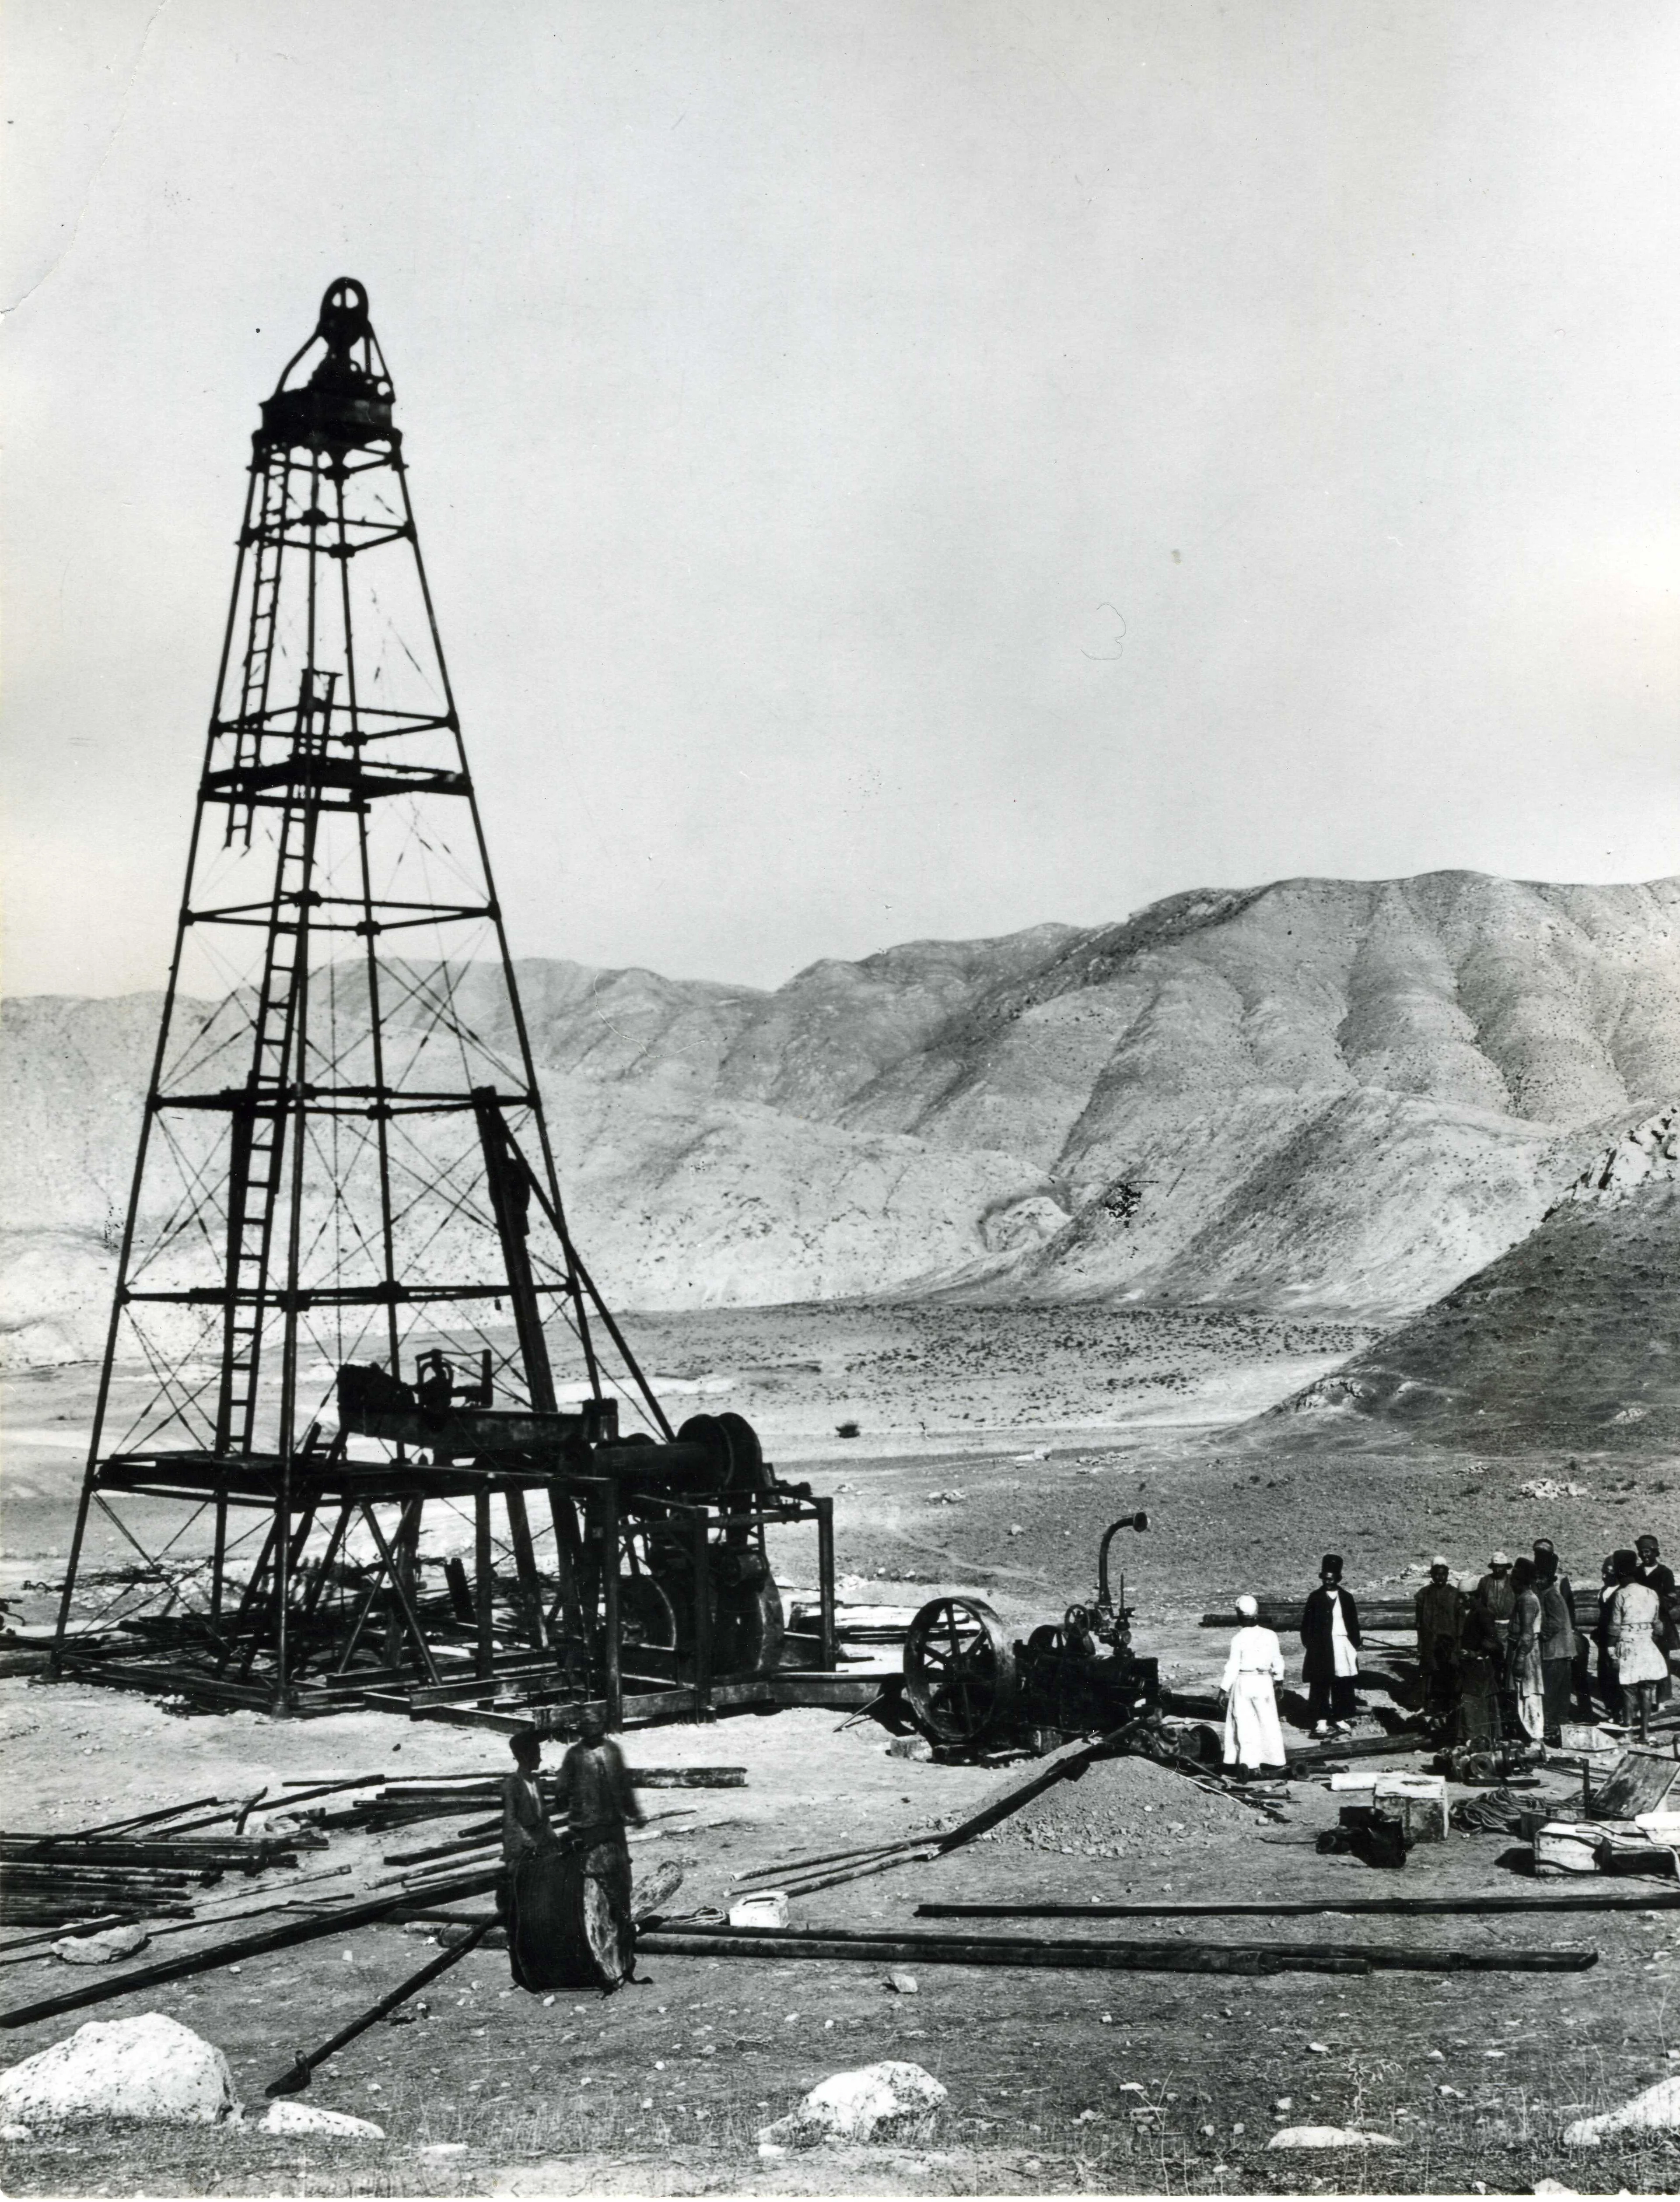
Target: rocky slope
1326 1095
1570 1339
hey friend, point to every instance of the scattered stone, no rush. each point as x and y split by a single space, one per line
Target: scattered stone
1656 2111
13 2133
1330 2137
102 1949
149 2068
444 2148
910 1746
903 1983
882 2101
287 2117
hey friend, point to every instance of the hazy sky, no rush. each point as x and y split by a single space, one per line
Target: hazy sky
887 469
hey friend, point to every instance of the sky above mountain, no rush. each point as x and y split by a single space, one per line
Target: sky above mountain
887 471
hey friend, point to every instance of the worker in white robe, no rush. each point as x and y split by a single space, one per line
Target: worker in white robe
1249 1685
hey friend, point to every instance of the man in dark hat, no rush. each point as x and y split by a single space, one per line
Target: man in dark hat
1329 1637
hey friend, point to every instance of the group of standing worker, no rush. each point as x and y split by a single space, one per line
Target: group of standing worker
1504 1662
1542 1665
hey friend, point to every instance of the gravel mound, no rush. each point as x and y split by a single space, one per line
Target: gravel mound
1123 1808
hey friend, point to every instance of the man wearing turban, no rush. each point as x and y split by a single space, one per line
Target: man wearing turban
1253 1671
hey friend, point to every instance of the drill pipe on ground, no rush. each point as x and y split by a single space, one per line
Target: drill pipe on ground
1311 1907
932 1948
989 1949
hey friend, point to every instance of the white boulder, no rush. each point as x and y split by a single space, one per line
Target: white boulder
1657 2110
1330 2137
286 2116
872 2103
152 2068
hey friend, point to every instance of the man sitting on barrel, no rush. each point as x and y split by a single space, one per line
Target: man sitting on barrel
597 1797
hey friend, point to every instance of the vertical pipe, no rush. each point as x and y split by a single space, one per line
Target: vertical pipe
507 1178
484 1581
576 1628
830 1653
219 1559
381 1108
703 1616
282 1699
525 1563
609 1600
305 743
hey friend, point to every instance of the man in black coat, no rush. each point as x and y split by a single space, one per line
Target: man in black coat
1329 1635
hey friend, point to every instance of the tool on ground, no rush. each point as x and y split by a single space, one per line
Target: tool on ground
297 2077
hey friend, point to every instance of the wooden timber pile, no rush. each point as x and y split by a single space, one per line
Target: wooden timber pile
382 1802
150 1865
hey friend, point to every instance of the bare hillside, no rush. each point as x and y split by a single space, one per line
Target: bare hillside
1570 1339
1326 1096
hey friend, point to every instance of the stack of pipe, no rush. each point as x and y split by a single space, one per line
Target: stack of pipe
147 1865
397 1803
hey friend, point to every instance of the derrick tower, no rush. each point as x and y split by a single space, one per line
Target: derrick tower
357 1424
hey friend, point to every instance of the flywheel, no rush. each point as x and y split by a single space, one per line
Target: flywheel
959 1676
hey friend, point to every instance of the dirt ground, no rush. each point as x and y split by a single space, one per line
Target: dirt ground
1058 2080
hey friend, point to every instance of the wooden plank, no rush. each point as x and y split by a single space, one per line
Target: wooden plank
1639 1782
